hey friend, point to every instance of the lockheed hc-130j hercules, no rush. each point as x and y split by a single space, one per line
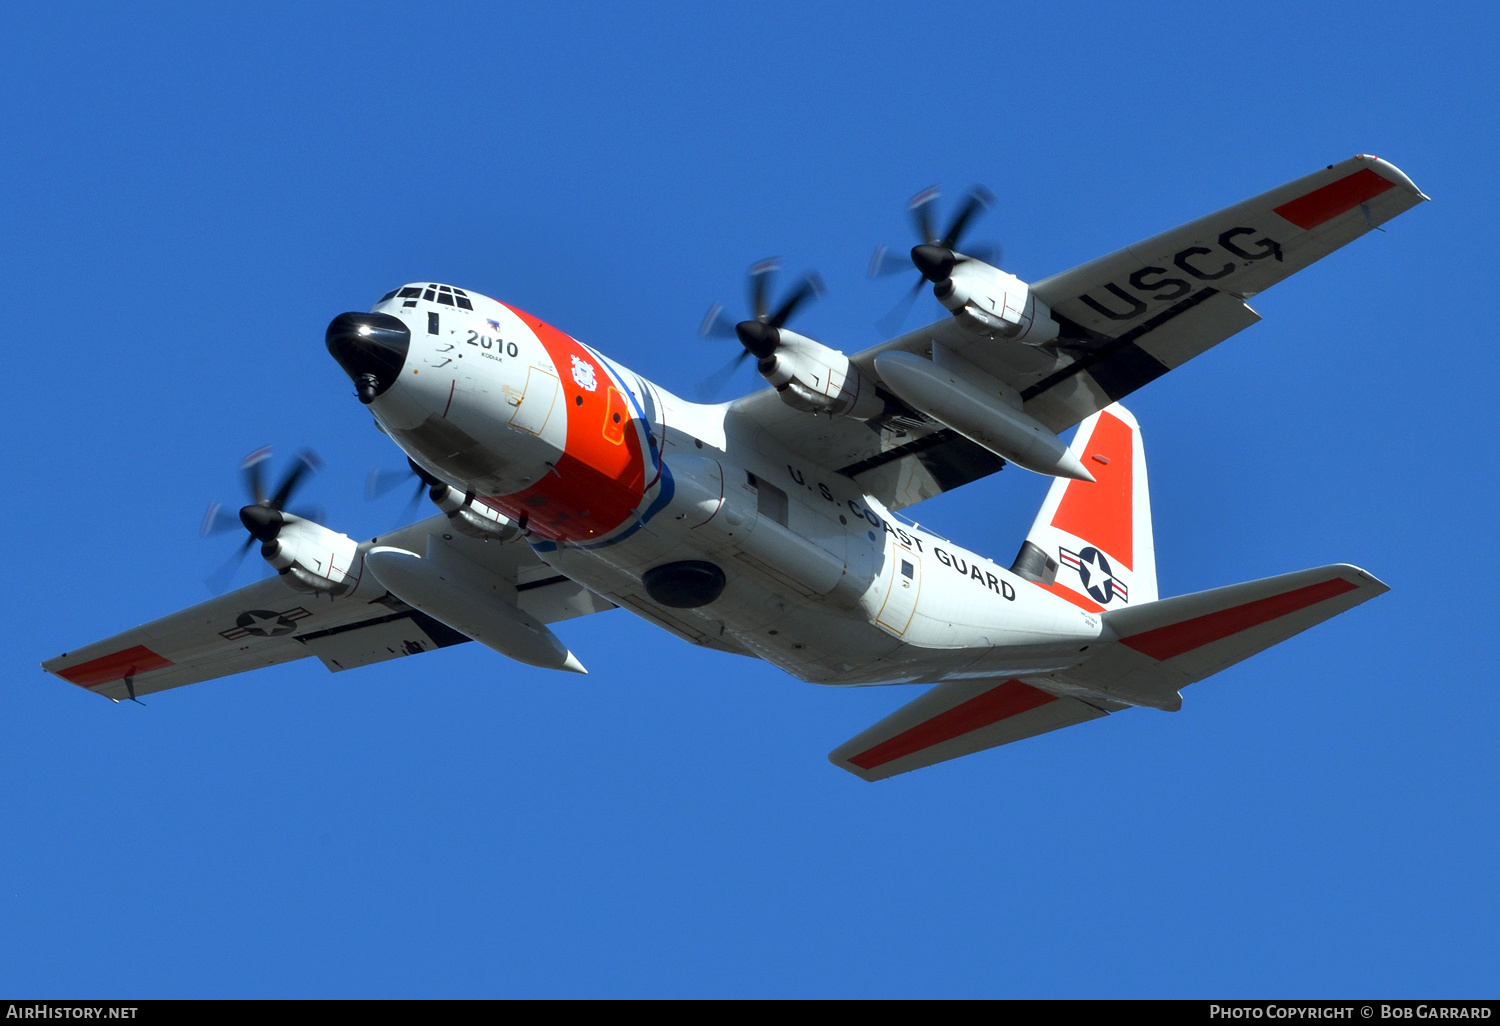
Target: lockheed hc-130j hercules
769 526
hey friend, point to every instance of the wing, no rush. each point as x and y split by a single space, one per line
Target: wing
900 460
1125 320
268 623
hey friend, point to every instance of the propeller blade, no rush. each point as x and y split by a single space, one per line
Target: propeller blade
314 513
382 482
425 477
415 500
716 323
216 521
890 324
811 286
760 283
979 198
307 460
250 466
710 387
920 208
218 581
990 254
885 263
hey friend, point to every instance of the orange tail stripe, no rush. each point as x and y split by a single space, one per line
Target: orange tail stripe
1177 638
1100 513
994 705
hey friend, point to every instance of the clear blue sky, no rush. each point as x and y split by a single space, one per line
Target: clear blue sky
189 197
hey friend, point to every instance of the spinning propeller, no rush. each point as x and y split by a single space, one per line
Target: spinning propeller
935 256
761 335
262 517
382 482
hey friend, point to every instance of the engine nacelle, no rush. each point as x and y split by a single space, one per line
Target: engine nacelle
988 301
311 557
811 377
471 517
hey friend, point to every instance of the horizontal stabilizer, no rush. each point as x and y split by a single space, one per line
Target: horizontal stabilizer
1160 647
954 719
1166 645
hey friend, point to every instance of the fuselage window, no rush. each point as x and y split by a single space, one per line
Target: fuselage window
907 570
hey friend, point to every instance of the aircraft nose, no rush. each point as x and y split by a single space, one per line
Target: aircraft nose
371 347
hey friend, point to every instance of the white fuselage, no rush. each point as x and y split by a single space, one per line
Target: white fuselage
609 476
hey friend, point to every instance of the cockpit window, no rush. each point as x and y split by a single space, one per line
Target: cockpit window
446 295
388 295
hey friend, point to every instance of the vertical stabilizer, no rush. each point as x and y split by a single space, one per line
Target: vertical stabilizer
1091 542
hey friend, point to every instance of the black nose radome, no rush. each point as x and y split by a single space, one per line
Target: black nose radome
935 262
371 347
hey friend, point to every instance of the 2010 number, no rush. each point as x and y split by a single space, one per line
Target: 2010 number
500 346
